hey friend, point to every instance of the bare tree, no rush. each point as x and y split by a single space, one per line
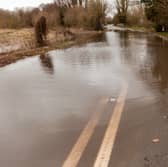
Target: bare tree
63 3
122 9
71 3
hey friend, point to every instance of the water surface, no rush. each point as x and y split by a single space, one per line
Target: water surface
46 100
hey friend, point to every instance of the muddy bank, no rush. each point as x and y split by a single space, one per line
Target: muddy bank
56 40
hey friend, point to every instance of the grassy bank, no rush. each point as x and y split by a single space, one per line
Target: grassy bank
164 34
19 44
142 29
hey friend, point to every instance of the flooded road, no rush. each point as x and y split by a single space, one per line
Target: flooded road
47 101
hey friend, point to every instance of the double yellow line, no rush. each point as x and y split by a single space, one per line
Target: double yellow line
103 156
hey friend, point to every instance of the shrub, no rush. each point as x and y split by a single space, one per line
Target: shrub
41 31
71 17
75 17
51 12
96 14
137 17
109 20
91 18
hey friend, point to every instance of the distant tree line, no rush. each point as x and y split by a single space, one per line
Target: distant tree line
18 18
122 9
157 12
148 12
80 13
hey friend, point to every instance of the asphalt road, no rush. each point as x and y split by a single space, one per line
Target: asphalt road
103 104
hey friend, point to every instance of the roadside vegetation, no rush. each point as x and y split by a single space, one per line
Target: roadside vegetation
157 12
67 13
64 24
28 31
131 15
60 16
148 15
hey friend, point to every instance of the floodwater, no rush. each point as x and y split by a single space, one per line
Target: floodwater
46 101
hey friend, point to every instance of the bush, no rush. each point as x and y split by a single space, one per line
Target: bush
76 17
71 17
156 11
109 20
137 17
96 14
41 31
91 18
8 19
51 12
115 19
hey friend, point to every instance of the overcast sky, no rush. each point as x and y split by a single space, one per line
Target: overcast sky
12 4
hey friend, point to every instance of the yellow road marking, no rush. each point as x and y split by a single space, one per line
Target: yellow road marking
78 149
107 145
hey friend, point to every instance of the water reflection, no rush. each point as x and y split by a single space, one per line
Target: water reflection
47 64
46 112
99 37
160 67
146 57
154 62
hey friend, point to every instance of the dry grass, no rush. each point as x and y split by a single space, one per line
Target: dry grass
56 40
11 39
23 39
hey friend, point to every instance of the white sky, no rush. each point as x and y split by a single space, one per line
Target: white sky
12 4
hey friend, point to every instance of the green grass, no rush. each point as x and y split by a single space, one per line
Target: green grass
164 34
138 28
141 28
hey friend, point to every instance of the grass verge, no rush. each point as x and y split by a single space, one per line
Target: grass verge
56 41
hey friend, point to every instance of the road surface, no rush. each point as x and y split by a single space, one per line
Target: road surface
103 104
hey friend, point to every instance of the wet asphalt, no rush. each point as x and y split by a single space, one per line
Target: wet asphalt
46 102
